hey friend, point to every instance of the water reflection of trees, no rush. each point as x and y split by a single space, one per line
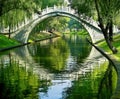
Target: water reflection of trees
79 47
98 84
52 56
108 83
16 82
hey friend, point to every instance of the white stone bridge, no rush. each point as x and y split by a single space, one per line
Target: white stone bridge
89 24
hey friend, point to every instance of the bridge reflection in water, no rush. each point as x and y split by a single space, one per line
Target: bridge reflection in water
62 68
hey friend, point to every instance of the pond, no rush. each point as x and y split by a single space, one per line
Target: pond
61 68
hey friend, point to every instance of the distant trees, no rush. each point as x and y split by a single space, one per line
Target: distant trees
74 25
49 3
53 24
105 12
58 24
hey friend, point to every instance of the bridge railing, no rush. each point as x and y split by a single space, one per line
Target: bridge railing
56 8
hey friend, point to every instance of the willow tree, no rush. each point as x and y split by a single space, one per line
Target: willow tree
51 3
27 6
105 11
10 11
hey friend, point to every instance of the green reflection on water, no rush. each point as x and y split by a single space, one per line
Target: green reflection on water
19 82
78 46
16 82
99 84
54 55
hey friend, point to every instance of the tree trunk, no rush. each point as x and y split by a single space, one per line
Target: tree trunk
111 31
109 43
108 37
9 33
1 8
107 31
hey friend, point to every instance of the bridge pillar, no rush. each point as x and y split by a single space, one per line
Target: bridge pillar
54 7
62 7
46 9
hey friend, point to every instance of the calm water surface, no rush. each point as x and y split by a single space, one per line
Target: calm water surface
60 68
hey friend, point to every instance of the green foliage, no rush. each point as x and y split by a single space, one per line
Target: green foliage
83 6
83 32
53 23
13 12
38 36
58 24
9 19
117 20
74 25
8 5
50 3
107 8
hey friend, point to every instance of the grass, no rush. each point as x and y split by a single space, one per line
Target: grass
5 42
116 43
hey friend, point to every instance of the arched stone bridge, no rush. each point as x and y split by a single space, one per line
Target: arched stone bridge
89 24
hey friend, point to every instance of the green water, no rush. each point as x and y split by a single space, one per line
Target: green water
60 68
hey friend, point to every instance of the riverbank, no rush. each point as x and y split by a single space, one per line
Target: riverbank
116 43
7 44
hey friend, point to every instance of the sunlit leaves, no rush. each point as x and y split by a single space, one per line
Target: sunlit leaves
109 9
58 23
51 3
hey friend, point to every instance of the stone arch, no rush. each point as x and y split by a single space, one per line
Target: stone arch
53 14
93 31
